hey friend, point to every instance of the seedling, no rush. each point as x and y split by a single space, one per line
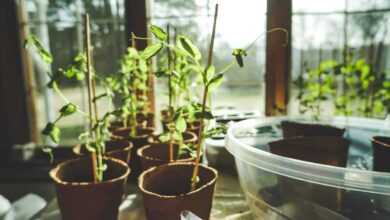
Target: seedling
81 69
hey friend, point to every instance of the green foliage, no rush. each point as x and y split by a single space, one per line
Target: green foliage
158 33
187 45
353 87
32 41
53 131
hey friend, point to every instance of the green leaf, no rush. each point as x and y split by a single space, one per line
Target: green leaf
53 132
43 53
68 109
205 115
158 32
189 47
210 71
151 50
215 81
239 54
181 124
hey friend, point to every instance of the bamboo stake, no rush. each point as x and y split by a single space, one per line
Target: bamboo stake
170 110
205 92
87 36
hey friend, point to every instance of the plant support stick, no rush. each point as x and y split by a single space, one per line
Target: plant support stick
89 87
204 101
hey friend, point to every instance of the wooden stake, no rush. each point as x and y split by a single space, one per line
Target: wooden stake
205 92
170 107
87 36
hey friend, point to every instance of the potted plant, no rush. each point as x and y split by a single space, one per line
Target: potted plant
130 84
90 187
171 188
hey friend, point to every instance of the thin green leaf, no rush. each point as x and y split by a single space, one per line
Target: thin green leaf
68 109
42 52
189 47
151 50
158 32
53 132
181 124
215 81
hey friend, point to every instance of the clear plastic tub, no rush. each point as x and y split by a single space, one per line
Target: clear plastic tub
278 187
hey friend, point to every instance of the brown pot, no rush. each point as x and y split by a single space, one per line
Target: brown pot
115 125
140 140
381 153
297 129
79 198
119 149
189 138
157 154
166 193
324 150
146 119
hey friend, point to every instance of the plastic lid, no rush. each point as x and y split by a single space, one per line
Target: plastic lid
347 178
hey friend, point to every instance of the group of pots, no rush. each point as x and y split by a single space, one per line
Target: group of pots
165 184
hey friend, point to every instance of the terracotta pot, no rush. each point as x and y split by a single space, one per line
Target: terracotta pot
158 154
79 198
381 153
166 191
189 138
297 129
119 149
140 140
324 150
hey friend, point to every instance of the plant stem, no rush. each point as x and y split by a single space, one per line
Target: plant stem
204 101
89 86
170 106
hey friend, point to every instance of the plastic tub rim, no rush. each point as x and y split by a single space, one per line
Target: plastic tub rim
307 171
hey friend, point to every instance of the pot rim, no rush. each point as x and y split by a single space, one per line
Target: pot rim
211 182
57 180
140 154
194 138
136 136
77 147
375 140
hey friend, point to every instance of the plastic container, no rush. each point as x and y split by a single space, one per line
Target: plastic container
278 187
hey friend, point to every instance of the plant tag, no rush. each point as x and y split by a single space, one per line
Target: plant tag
187 215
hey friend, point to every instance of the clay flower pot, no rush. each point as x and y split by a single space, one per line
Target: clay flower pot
157 154
140 140
189 138
297 129
166 191
119 149
381 153
79 198
324 150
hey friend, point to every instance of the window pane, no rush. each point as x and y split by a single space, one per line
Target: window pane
59 25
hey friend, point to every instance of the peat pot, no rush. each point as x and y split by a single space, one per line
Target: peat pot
189 138
119 149
79 198
166 193
299 129
158 154
139 140
381 153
